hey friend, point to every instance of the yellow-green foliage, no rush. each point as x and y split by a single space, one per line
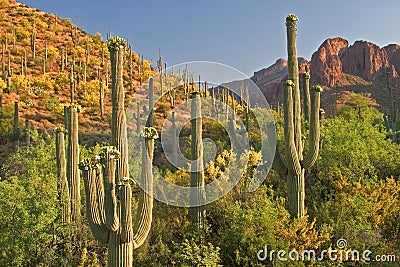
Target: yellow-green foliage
2 85
89 92
43 82
61 82
22 83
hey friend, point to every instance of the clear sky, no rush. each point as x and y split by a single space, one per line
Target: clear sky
247 35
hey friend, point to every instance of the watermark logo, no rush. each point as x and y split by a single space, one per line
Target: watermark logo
223 90
342 254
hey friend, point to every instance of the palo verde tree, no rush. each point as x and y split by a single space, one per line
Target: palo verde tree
296 161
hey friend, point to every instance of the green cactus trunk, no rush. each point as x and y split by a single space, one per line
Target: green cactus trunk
16 131
73 174
101 100
150 119
390 120
1 106
175 145
27 133
197 197
138 117
118 119
63 189
297 164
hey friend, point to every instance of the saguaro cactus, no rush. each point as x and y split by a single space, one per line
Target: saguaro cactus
117 46
16 131
63 188
197 211
110 217
296 163
72 162
1 106
390 120
27 133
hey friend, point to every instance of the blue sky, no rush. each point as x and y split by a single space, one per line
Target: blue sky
247 35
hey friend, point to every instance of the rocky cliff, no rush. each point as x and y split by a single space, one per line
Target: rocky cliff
361 67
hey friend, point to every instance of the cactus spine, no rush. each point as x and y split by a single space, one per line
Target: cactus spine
109 217
296 163
63 190
197 198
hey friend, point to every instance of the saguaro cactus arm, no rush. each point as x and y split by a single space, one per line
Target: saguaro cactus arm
292 156
144 217
313 141
93 209
306 95
109 156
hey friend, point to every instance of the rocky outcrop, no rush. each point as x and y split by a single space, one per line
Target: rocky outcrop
326 65
366 60
393 54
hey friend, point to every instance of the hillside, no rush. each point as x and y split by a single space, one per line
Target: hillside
38 51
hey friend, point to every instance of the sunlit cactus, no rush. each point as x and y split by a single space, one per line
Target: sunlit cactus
390 120
73 174
197 198
63 188
296 161
108 184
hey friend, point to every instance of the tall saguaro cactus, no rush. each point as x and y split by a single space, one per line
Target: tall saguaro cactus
108 192
197 210
390 120
73 174
117 46
296 163
63 188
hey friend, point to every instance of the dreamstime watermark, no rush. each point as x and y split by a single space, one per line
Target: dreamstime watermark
216 82
341 254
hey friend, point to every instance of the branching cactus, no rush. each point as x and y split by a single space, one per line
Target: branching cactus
108 189
63 189
109 200
296 163
73 175
197 211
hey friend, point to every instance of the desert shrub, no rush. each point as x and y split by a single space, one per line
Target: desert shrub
88 93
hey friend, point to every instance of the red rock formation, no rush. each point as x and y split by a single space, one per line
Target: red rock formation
366 60
393 53
326 66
